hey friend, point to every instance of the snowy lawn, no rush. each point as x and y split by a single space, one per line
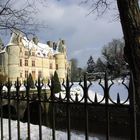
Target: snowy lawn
46 132
116 88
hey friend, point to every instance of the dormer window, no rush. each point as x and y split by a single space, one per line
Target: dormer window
33 53
26 53
51 57
51 66
20 49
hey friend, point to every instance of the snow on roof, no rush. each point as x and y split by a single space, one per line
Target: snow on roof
2 51
42 50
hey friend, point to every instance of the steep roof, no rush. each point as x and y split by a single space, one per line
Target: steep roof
41 49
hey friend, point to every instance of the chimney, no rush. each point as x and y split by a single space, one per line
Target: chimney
63 42
50 43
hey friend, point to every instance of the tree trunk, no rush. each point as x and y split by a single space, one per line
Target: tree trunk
130 20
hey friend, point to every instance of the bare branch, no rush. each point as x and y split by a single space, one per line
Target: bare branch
98 6
17 17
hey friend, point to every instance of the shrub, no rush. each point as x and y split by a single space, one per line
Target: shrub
31 81
3 78
57 85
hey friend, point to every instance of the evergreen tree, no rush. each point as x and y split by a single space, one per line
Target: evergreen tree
31 81
91 65
100 66
3 78
57 85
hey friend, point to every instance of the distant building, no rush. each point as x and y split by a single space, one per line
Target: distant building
22 56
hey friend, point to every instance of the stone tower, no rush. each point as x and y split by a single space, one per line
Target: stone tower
13 56
60 59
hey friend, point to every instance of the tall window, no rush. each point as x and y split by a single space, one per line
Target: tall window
20 49
20 75
39 74
26 53
56 66
20 62
26 74
33 63
26 62
51 66
33 74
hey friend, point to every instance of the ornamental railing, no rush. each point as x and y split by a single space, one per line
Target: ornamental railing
47 98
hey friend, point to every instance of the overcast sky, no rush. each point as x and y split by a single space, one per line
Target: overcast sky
84 35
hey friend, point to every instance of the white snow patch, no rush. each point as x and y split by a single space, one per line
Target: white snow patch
41 49
34 129
95 88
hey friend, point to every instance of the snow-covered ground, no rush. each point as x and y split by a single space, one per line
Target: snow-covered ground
95 88
46 132
116 88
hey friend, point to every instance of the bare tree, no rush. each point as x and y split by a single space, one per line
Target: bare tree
113 57
129 13
18 15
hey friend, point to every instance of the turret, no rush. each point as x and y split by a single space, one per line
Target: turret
61 66
60 60
13 56
61 46
35 40
50 44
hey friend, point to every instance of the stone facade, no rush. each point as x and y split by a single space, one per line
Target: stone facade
22 56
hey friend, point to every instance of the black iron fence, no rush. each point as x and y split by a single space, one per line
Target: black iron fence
50 105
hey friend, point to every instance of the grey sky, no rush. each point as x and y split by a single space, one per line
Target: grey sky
84 35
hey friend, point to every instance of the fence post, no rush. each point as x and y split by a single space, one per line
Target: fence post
39 85
53 107
27 85
133 121
106 95
17 85
1 111
9 85
68 106
85 106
